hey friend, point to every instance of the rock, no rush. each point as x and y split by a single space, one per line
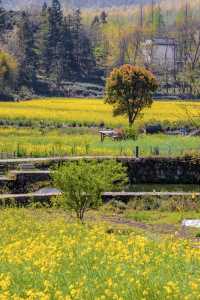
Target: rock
48 190
191 223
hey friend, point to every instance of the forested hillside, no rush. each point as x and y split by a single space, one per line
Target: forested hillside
73 3
51 48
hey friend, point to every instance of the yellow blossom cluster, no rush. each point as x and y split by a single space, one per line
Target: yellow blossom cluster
92 111
43 256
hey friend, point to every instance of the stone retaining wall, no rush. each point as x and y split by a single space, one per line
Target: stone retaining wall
140 170
164 170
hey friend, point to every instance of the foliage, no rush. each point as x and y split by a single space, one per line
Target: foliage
173 204
8 70
131 133
83 183
129 89
2 18
48 45
85 45
64 49
27 48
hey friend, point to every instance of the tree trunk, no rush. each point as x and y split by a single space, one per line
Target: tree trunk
80 215
130 120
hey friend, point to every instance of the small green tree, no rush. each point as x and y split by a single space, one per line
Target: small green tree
83 183
130 89
8 71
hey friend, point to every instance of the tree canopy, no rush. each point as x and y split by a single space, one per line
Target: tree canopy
8 70
82 183
130 89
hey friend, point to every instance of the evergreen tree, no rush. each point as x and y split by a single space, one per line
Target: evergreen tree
158 22
2 18
82 50
44 9
103 17
76 38
68 59
58 49
87 61
28 59
44 51
96 39
55 41
95 21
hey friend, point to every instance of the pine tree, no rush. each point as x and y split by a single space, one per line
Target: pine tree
103 17
95 21
28 63
44 51
76 37
2 18
82 50
158 22
87 61
68 59
55 41
96 39
44 9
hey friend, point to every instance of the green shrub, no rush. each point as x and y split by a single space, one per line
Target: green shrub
83 183
131 133
118 204
171 204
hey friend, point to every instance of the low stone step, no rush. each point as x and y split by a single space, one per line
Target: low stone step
27 166
24 199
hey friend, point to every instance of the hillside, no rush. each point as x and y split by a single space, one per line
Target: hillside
18 4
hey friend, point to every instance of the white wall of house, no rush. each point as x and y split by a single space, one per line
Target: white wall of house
161 53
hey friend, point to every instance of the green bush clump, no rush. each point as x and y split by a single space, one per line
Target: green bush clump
83 183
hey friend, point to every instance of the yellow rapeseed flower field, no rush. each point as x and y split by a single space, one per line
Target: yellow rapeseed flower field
44 257
92 111
57 111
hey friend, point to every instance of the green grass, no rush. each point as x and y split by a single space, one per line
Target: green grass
39 143
48 113
157 217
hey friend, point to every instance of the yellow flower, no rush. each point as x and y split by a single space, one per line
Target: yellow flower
5 282
194 285
110 282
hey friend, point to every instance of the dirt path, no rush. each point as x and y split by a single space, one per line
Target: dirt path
152 228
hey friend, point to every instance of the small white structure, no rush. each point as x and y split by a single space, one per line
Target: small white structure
161 52
191 223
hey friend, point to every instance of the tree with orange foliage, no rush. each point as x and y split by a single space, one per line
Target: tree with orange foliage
130 89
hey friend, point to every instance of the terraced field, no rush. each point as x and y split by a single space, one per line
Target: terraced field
80 135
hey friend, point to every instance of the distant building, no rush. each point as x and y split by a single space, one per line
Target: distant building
161 52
